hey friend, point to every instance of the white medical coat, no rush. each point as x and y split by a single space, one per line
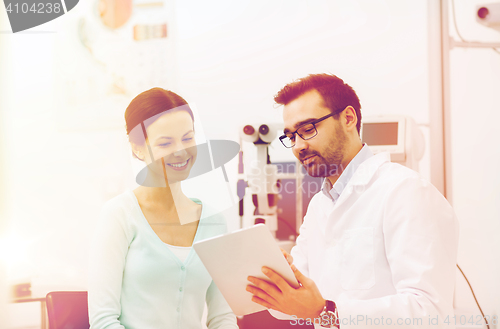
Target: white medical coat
385 251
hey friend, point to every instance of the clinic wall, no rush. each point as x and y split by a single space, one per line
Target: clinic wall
475 113
247 50
245 53
4 97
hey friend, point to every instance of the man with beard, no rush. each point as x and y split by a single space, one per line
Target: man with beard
378 244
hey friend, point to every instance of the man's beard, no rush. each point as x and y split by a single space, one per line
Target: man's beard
329 162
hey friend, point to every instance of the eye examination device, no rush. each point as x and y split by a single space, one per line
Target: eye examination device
261 175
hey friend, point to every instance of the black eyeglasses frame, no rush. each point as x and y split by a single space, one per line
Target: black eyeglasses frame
282 137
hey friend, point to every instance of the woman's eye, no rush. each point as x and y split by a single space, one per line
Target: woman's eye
187 139
165 144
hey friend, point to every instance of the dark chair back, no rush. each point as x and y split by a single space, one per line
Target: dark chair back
68 310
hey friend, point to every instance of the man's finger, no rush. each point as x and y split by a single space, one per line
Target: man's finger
288 257
299 276
276 279
262 302
262 295
268 287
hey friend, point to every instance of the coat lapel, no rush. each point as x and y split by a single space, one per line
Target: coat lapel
363 175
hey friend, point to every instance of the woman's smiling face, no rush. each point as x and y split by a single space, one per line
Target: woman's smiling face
171 138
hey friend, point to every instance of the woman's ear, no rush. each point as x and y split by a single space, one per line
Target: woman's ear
137 151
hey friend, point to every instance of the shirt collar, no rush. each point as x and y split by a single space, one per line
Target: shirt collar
333 192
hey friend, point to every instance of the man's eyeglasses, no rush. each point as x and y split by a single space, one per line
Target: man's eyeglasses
306 131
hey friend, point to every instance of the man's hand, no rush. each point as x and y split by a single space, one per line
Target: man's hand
303 302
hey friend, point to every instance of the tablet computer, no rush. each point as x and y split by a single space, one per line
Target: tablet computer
232 257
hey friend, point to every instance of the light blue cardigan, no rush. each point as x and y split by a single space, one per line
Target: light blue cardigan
136 282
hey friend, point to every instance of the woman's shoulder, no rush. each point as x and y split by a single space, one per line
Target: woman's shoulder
117 215
123 201
121 207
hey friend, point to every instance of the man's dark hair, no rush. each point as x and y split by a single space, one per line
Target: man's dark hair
336 94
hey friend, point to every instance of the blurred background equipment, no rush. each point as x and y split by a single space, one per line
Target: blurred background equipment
115 13
398 135
489 15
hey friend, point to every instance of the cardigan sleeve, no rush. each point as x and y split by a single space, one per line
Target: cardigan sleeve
108 253
220 315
